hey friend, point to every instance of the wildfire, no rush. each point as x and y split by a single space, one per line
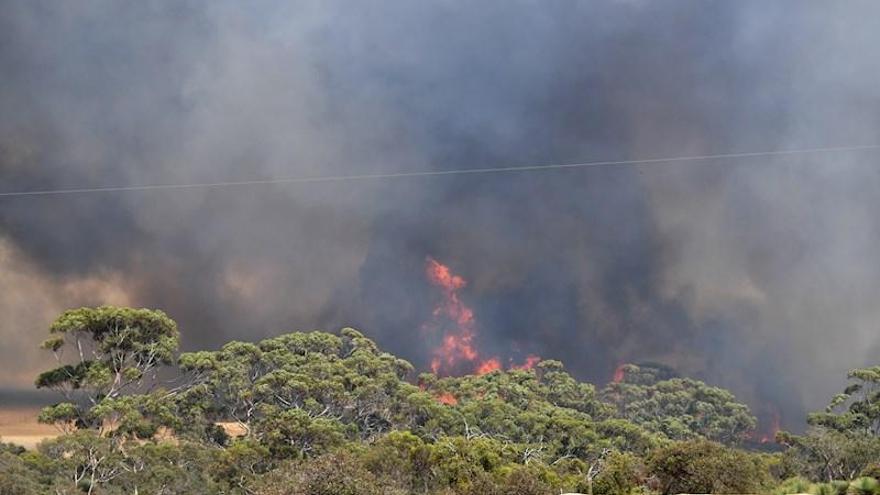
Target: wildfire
447 398
530 362
457 345
488 366
770 434
618 373
457 348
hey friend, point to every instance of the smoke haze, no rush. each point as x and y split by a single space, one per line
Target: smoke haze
755 274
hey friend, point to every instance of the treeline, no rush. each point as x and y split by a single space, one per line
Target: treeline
319 413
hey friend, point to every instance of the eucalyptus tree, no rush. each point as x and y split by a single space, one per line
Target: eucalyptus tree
857 408
678 408
844 438
104 354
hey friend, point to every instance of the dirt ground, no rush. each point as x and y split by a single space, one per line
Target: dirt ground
19 425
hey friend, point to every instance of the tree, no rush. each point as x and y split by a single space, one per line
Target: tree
317 376
857 408
331 474
621 474
844 439
16 477
679 408
102 354
827 454
701 466
85 460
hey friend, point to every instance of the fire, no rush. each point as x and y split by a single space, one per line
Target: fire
457 347
488 366
767 434
770 435
530 362
618 373
447 398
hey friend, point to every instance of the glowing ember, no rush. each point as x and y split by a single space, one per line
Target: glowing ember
531 361
618 374
447 398
488 366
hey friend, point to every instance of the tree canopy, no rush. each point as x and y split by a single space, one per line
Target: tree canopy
678 408
310 413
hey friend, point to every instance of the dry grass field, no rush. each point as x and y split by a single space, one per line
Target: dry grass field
18 425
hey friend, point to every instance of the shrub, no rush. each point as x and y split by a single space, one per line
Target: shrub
620 477
330 474
700 466
872 471
864 486
793 485
523 481
823 489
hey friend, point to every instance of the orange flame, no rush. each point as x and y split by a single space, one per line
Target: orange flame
618 373
447 398
530 362
488 366
770 435
457 345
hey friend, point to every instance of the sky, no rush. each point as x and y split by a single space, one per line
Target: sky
756 274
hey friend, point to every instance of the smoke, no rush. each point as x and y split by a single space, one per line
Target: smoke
753 274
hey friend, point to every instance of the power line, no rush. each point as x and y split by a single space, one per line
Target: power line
399 175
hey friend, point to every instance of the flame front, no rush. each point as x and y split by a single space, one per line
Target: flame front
457 345
488 366
457 349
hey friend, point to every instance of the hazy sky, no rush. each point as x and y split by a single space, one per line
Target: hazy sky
756 274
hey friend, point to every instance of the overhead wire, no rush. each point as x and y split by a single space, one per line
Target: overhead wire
435 173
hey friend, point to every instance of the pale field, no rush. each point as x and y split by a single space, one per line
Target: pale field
18 425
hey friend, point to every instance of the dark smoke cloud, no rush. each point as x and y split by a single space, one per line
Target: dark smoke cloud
753 274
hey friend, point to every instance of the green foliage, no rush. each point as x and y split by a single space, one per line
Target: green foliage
823 489
864 486
169 469
332 474
793 485
11 448
318 374
103 353
828 454
844 440
86 462
700 466
403 457
294 433
857 409
16 477
545 410
524 481
621 475
317 413
871 471
236 467
678 408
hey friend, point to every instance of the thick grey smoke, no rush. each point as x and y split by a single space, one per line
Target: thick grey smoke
754 274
